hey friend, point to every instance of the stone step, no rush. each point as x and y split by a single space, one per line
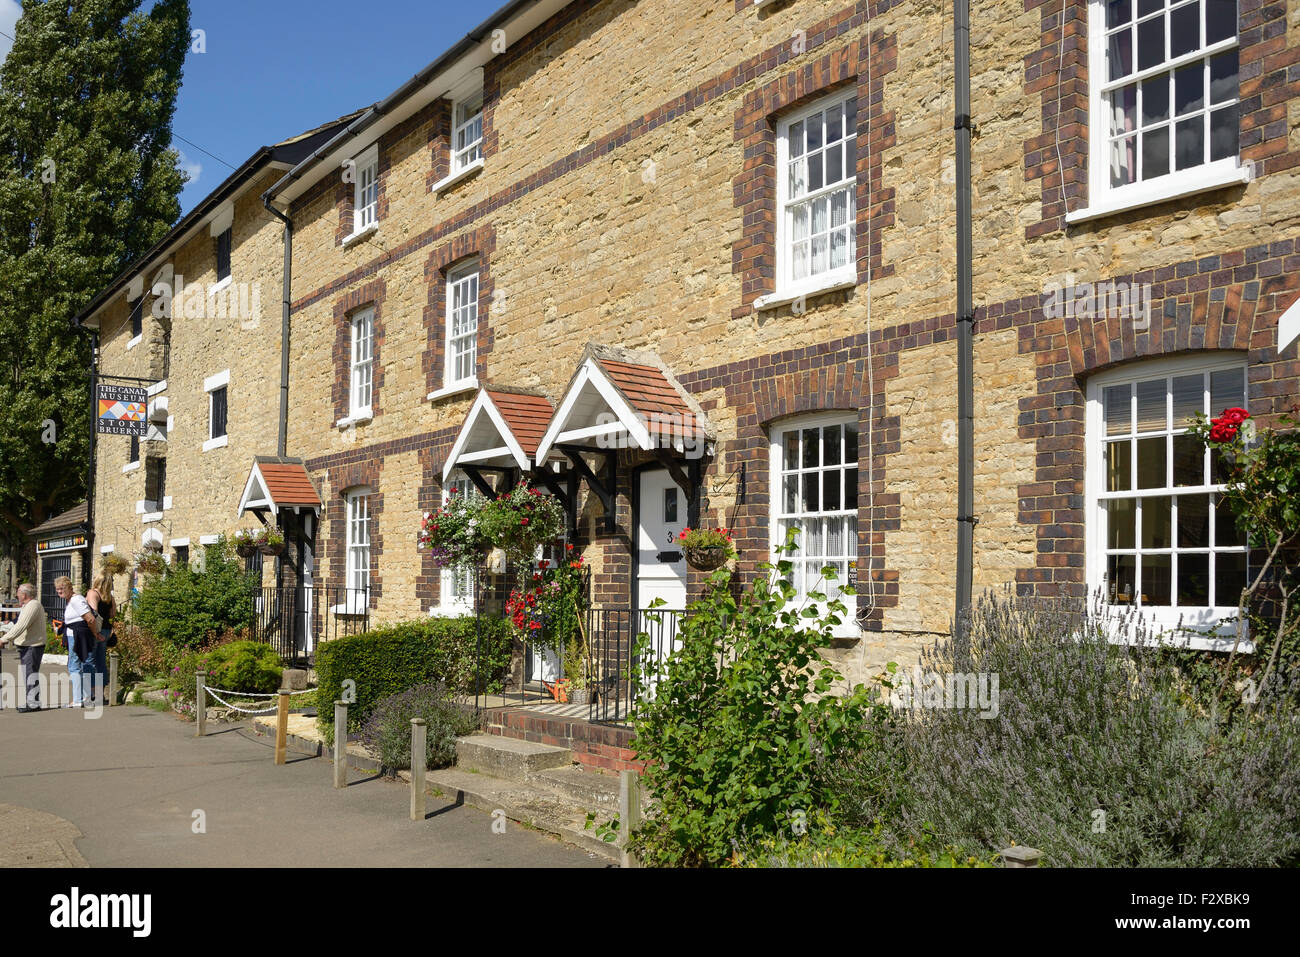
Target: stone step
589 790
531 804
508 758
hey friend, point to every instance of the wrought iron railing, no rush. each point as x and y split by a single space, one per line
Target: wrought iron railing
625 668
294 620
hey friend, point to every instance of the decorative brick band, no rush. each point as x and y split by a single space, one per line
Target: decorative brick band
371 294
482 243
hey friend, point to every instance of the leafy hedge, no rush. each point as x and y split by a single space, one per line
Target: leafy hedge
233 665
186 608
390 660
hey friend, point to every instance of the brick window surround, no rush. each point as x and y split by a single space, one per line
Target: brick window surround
369 295
1058 71
862 62
342 480
345 192
481 243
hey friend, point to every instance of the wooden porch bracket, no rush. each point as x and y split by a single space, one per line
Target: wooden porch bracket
605 489
475 474
688 481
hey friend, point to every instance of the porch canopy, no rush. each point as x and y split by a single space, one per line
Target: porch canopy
620 399
500 433
276 483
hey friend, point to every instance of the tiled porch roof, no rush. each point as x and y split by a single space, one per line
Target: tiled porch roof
275 483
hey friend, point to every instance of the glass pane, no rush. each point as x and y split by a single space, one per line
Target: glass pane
1189 135
800 264
850 489
811 442
834 125
1156 526
1223 77
796 139
800 218
814 541
1149 6
1121 577
835 163
1155 152
810 490
1227 390
851 442
1123 161
798 178
1189 398
815 178
670 505
1184 29
1193 581
1151 42
1223 133
1225 525
1220 20
1120 54
1121 523
820 254
1151 406
1156 581
813 125
835 538
1155 99
840 208
1123 110
791 494
831 490
1189 460
1151 463
1189 88
839 248
1117 402
1118 11
820 208
831 436
1193 521
1229 578
1119 464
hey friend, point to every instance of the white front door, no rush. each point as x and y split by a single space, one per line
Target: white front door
661 563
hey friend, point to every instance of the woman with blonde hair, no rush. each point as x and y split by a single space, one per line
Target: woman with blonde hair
83 634
101 601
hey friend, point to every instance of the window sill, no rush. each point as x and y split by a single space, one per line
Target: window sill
456 388
130 467
217 443
1184 186
450 611
774 299
135 341
1187 629
353 238
219 285
149 517
350 609
157 387
447 182
360 418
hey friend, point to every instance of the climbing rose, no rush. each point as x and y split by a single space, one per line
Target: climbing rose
1234 416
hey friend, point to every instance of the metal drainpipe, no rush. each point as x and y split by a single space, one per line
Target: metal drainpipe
282 442
966 519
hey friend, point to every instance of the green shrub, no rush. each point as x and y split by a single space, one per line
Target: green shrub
235 665
141 655
740 720
828 846
392 659
387 732
186 608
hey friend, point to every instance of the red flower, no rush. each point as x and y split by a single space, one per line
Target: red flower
568 548
1234 416
523 521
1222 432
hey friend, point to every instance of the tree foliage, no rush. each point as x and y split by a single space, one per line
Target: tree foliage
87 184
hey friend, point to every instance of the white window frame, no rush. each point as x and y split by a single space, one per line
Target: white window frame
365 193
466 157
210 385
462 277
361 372
778 516
787 287
356 578
1201 628
456 585
1103 198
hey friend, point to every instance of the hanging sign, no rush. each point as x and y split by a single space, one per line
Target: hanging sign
123 410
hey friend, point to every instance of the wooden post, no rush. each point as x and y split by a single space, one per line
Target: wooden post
282 727
1020 856
418 736
629 814
340 744
201 704
112 679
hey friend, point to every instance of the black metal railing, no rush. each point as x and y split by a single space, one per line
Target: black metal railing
294 620
625 665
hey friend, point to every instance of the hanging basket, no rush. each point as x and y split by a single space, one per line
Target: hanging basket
270 549
246 550
706 558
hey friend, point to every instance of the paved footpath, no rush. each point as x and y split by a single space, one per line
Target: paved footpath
123 791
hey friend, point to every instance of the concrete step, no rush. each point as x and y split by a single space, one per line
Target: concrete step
508 758
589 790
531 804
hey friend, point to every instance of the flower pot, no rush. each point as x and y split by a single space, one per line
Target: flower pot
246 550
706 558
269 549
580 696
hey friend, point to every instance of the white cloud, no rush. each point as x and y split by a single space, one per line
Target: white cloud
194 169
10 11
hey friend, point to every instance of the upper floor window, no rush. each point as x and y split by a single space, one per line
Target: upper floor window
137 318
223 254
155 482
467 133
133 457
815 492
817 162
363 333
1160 537
216 387
366 197
462 324
1164 98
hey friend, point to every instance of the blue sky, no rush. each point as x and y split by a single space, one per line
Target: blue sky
275 68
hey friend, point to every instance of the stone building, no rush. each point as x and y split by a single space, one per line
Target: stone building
695 262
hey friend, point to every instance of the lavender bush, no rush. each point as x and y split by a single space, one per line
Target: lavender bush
387 732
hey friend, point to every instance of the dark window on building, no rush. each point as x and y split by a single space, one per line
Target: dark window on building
182 555
253 565
218 413
137 317
155 481
223 255
135 449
